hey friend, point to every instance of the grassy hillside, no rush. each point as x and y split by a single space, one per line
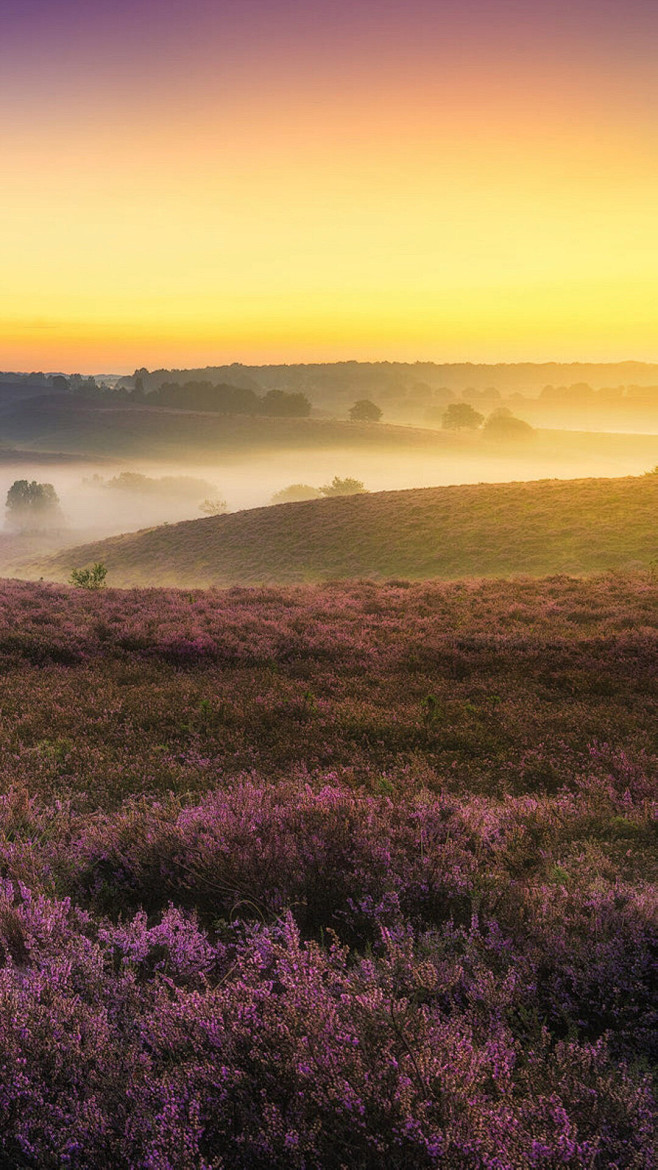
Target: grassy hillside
67 423
332 877
577 526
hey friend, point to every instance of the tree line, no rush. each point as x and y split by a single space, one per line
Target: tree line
227 399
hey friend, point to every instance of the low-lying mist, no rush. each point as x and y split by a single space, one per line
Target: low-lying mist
100 499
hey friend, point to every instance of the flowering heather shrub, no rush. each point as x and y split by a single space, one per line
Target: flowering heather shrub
333 878
151 1046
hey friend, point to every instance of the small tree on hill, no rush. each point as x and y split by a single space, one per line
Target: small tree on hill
343 487
503 426
33 507
214 507
295 493
365 411
461 416
93 578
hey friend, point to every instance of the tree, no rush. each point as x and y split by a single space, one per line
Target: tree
365 411
295 492
140 380
32 506
93 578
221 399
278 403
343 487
502 425
461 416
214 507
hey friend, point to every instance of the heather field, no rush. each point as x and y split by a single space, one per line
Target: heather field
335 877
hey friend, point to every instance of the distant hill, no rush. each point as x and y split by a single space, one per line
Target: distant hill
93 428
549 526
67 422
323 377
589 395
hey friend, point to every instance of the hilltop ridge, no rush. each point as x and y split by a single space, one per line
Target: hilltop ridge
487 530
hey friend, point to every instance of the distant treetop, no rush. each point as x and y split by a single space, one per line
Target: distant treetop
461 416
503 425
32 506
365 411
225 398
295 493
343 487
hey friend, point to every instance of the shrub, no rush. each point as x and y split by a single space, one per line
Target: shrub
92 578
183 486
503 425
309 878
365 411
461 416
343 487
295 492
213 507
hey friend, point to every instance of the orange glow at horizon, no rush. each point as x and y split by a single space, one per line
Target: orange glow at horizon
484 216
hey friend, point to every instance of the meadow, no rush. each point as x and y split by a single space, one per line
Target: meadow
329 877
482 529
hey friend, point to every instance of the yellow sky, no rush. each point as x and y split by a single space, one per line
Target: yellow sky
448 219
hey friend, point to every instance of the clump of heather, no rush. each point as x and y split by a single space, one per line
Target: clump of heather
150 1043
329 878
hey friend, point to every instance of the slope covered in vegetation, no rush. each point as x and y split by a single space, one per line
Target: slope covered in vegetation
329 878
577 526
68 423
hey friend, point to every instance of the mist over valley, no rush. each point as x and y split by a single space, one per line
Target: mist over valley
119 464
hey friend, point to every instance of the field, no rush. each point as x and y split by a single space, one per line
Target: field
61 423
330 877
573 526
95 428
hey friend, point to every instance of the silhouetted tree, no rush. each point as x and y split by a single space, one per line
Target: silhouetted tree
32 506
213 507
461 416
503 425
85 387
139 379
295 493
365 411
343 487
279 404
221 399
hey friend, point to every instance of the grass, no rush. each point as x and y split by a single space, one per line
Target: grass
96 427
574 526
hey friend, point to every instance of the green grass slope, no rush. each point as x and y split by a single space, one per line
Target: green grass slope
575 526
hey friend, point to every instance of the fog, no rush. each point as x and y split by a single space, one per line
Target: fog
93 507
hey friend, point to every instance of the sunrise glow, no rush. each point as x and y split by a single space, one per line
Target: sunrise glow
204 182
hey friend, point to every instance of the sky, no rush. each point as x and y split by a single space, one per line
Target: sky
192 182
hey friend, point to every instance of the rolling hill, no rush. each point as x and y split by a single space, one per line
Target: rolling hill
67 423
548 526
